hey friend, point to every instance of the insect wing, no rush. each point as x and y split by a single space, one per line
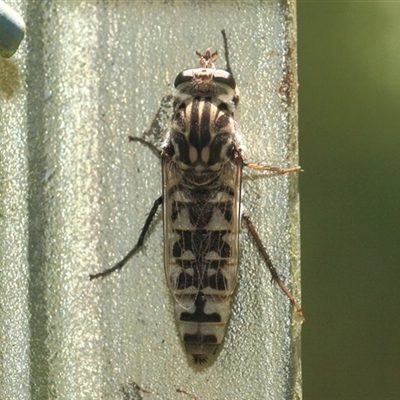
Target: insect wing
201 233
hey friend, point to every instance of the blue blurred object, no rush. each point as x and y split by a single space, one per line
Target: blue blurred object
12 30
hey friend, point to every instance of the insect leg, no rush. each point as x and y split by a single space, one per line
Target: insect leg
138 245
270 266
151 146
271 169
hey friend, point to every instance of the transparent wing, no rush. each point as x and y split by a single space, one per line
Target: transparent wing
201 231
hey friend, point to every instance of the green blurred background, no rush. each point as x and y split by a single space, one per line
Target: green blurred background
349 74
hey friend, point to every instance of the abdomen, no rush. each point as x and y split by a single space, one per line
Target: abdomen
201 227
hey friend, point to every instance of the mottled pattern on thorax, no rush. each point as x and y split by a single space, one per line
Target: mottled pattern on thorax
201 136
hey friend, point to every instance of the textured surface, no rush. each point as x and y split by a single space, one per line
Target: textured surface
75 195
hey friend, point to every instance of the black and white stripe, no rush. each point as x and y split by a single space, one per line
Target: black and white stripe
202 173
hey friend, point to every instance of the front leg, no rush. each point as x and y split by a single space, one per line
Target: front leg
259 167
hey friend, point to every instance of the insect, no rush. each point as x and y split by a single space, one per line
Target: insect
202 162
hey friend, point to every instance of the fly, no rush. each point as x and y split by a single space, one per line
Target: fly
202 163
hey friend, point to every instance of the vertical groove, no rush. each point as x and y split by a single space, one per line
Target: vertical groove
35 83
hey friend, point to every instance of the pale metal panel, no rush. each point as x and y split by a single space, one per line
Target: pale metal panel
75 194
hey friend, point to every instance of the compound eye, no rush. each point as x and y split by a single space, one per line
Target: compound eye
222 76
184 76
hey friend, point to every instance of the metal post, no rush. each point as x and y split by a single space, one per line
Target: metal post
77 193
